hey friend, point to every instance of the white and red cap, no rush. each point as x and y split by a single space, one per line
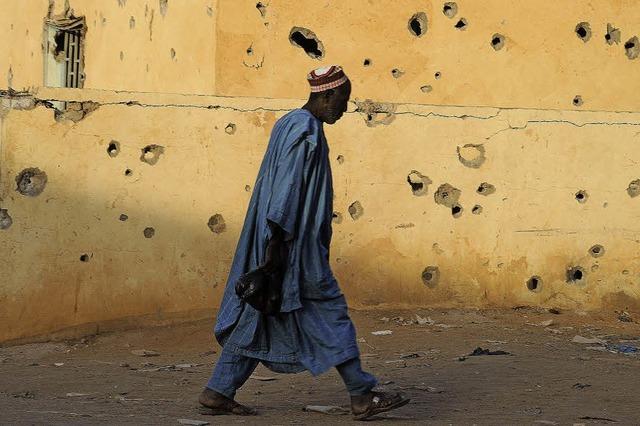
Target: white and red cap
326 78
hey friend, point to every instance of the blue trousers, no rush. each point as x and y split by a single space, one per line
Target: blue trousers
233 370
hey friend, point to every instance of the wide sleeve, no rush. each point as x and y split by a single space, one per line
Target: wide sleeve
289 184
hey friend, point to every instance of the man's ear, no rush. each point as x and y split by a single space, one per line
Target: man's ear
329 93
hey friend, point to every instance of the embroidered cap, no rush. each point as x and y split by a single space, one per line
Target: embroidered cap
326 78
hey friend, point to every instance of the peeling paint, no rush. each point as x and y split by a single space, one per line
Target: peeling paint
419 183
450 9
612 36
31 182
634 188
5 219
355 210
471 155
151 154
596 250
76 111
376 113
217 224
164 6
431 276
447 195
485 189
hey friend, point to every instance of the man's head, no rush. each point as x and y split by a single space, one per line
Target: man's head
330 91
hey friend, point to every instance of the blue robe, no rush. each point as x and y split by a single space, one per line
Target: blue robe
293 190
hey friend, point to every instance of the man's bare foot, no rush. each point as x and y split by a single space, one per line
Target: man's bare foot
365 406
215 403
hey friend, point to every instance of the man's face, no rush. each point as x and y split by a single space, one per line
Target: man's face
336 104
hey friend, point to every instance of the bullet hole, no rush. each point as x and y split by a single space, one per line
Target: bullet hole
210 11
477 209
132 23
376 113
581 196
461 24
340 159
575 274
5 219
307 41
632 48
426 89
486 189
397 73
262 9
447 195
419 183
121 55
471 155
456 210
128 172
84 258
366 62
113 149
230 129
534 284
497 41
418 24
123 217
577 100
31 182
625 272
122 3
216 224
164 5
173 53
612 35
247 188
355 210
250 50
583 31
596 250
431 276
149 232
450 9
336 217
151 154
634 188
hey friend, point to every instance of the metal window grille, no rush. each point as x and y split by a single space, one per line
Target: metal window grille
73 61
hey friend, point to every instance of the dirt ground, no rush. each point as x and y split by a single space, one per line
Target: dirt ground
545 379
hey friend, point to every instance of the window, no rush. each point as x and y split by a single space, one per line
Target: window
64 56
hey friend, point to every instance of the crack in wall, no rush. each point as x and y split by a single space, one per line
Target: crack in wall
572 123
7 101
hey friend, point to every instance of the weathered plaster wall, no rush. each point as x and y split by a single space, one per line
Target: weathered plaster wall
130 45
71 259
541 64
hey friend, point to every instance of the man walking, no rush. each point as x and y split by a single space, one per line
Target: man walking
288 228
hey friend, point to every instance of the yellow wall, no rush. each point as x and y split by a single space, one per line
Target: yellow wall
516 103
146 42
543 63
